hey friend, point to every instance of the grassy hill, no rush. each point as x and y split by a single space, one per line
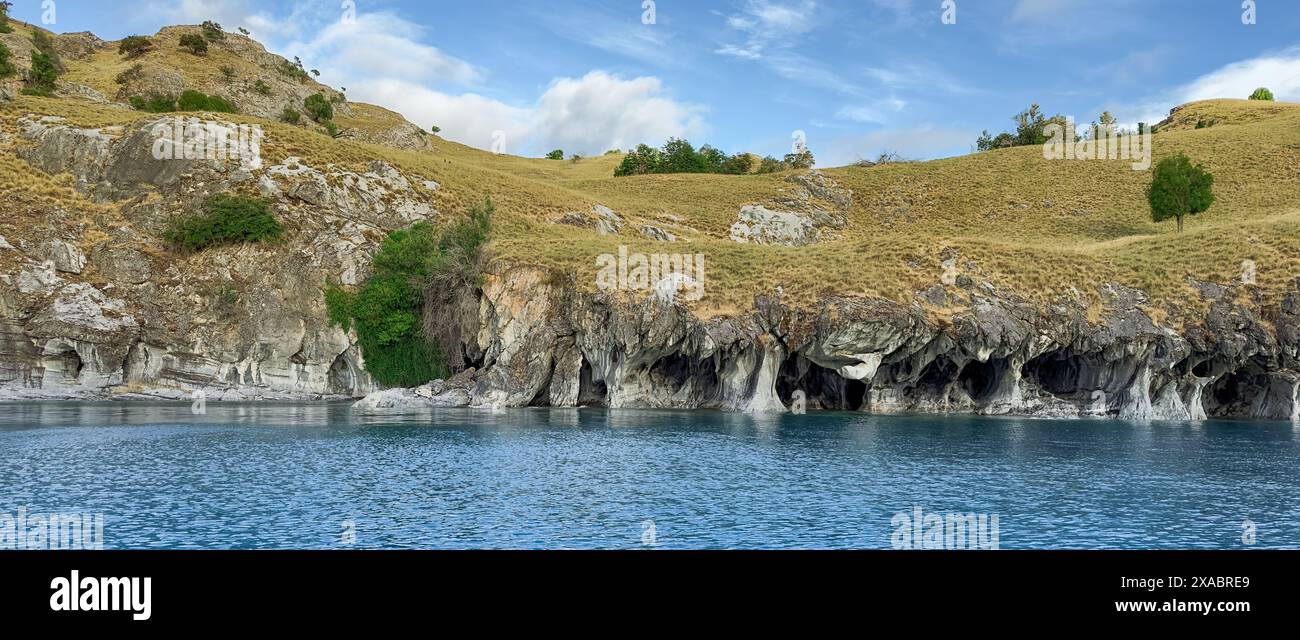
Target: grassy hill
1042 229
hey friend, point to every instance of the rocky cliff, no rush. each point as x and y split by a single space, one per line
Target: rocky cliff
547 344
94 304
86 312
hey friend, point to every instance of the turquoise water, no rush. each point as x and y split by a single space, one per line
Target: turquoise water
317 476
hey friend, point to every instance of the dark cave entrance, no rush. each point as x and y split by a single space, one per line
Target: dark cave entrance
825 388
591 393
980 379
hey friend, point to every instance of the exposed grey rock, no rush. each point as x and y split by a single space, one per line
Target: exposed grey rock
1003 356
759 225
811 212
66 257
656 233
602 220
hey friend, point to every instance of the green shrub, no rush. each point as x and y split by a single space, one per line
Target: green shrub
318 108
331 128
156 103
1262 93
195 43
1179 189
292 70
192 100
290 116
413 267
679 156
212 31
45 44
435 129
129 75
261 87
228 220
7 68
228 72
42 76
134 46
1031 129
558 154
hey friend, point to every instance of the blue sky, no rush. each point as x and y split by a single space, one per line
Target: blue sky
857 76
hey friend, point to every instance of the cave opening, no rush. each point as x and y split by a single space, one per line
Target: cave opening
825 388
980 379
937 376
591 393
1234 395
62 365
1056 372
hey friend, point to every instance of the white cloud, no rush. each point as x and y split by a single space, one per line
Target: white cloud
1280 72
587 115
379 56
382 45
600 111
766 24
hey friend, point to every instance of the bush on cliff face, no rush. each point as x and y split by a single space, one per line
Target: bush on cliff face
42 77
318 107
416 272
228 220
7 68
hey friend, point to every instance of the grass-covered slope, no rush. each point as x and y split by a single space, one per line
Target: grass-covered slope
1039 228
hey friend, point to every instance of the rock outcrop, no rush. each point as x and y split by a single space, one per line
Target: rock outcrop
545 344
107 310
815 208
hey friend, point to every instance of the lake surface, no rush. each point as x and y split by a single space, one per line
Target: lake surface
317 476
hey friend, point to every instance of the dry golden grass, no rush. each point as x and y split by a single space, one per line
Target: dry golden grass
1043 229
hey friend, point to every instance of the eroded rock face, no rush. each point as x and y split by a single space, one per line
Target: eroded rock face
92 311
553 346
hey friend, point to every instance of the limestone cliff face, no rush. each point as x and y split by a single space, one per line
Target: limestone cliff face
553 345
93 305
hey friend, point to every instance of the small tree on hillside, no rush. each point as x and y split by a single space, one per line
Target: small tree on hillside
195 44
1179 189
134 46
1262 93
802 160
558 154
318 107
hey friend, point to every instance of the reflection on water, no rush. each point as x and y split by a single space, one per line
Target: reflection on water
292 475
